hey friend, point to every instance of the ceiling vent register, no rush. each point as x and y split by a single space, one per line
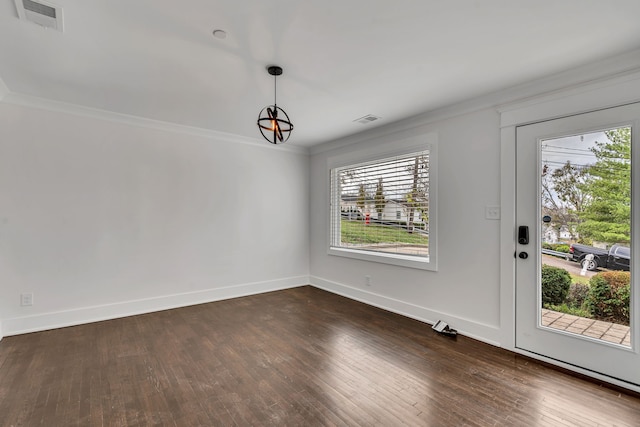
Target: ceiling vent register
367 119
44 14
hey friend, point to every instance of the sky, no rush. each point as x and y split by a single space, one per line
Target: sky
576 149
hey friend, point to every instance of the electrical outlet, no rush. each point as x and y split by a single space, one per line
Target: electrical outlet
492 212
367 280
26 299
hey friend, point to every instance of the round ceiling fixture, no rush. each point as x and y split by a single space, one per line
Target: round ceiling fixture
220 34
273 122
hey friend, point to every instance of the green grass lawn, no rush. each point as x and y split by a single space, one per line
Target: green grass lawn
357 232
579 279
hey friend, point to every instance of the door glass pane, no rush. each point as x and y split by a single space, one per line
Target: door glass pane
586 234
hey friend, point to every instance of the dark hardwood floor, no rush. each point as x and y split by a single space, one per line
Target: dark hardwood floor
299 357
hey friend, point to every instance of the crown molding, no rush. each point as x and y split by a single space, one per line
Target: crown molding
595 95
29 101
621 67
601 73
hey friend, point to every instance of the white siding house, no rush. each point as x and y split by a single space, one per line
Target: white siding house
394 210
552 234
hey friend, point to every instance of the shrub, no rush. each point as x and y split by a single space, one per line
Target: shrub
559 247
578 293
555 284
609 296
564 308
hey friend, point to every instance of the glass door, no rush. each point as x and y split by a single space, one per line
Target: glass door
576 298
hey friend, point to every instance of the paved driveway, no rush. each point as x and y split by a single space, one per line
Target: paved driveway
570 266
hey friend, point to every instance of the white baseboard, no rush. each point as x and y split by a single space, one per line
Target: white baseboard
600 377
45 321
481 332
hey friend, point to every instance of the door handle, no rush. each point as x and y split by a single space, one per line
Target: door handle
523 235
523 255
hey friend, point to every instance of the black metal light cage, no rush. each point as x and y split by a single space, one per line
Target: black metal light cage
273 122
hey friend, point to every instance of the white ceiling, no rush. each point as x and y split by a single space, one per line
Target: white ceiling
342 59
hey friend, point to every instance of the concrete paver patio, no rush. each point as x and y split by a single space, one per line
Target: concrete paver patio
610 332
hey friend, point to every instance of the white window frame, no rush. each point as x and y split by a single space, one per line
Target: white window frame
406 146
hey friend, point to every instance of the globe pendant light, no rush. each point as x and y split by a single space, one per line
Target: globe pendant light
273 121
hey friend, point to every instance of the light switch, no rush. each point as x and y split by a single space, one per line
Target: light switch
492 212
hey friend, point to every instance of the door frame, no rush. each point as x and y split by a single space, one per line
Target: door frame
614 92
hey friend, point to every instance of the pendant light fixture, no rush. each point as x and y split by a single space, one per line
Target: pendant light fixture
273 121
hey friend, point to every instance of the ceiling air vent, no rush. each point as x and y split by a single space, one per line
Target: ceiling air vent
41 13
367 119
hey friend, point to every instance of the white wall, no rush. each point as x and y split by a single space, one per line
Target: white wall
465 291
101 219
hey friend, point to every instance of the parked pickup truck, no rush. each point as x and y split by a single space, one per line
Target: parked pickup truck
616 258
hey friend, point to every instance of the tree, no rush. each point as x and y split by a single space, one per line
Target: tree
418 197
566 184
562 196
380 201
362 198
346 177
607 216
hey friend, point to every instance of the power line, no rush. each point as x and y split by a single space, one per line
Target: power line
570 154
566 148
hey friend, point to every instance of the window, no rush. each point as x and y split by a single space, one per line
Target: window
393 204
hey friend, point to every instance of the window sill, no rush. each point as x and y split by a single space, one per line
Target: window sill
422 263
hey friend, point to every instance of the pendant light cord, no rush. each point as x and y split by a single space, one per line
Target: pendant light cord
275 90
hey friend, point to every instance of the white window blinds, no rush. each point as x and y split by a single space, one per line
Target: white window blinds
382 206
